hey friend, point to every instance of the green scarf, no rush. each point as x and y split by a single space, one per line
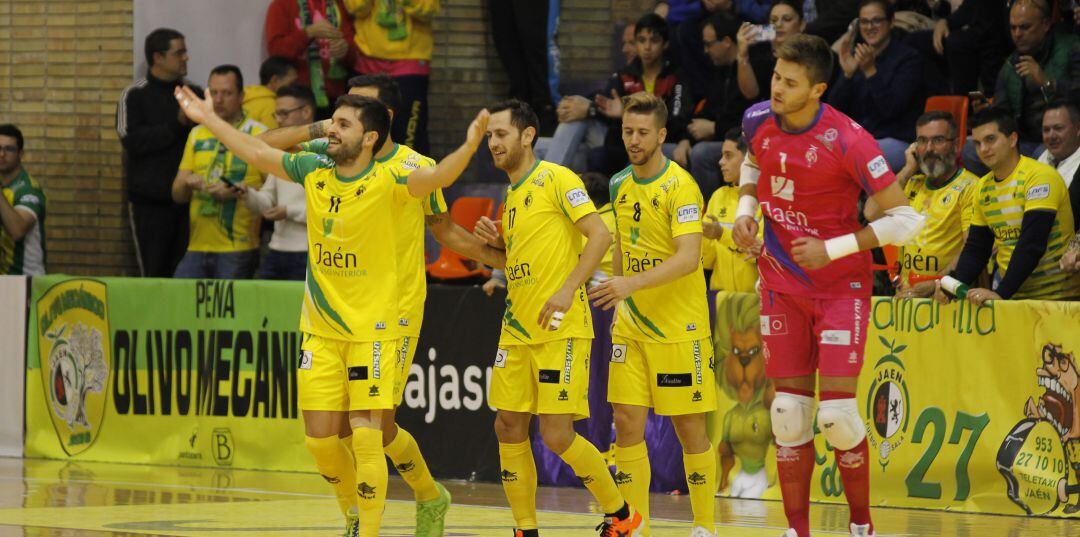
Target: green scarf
392 17
314 53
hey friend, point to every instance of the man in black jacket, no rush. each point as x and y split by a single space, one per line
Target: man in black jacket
153 131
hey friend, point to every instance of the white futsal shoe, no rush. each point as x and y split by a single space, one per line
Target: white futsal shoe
790 533
701 531
861 531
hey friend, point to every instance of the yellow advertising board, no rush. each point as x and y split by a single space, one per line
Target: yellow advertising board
966 408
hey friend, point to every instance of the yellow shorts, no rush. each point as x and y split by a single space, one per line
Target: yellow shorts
673 378
547 378
336 375
405 354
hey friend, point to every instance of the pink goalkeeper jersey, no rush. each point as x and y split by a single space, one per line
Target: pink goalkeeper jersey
809 187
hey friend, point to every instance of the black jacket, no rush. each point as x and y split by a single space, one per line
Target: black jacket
669 86
724 103
153 138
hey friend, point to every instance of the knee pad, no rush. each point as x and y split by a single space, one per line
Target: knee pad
840 423
792 419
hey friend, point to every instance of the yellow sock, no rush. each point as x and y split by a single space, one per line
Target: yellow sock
335 462
406 456
519 482
633 474
589 466
701 479
372 474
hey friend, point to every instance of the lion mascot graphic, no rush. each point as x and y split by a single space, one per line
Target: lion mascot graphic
746 430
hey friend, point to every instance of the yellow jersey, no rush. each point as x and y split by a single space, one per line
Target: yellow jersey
731 270
260 104
403 160
542 249
412 271
220 226
1000 205
351 291
607 214
394 32
649 214
948 210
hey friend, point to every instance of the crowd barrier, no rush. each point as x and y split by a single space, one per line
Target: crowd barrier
967 408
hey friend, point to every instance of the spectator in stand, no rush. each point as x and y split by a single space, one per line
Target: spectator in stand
650 72
942 191
260 101
281 201
524 36
829 19
1061 136
1045 66
629 49
687 51
1022 213
879 86
318 37
732 268
224 233
581 130
152 130
965 48
723 106
755 57
22 210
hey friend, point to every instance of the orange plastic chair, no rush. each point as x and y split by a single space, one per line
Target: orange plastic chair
957 105
451 265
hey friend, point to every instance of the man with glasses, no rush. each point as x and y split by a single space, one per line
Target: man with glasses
944 193
22 210
153 131
880 82
281 201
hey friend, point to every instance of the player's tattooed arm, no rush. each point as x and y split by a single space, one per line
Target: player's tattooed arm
452 236
288 138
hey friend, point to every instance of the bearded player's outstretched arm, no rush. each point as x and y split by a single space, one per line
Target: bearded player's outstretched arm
248 148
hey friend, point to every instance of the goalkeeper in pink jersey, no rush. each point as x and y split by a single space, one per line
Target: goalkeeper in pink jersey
813 162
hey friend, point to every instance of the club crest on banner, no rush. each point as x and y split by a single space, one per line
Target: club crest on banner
74 352
888 404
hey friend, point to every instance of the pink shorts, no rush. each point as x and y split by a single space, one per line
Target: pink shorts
802 335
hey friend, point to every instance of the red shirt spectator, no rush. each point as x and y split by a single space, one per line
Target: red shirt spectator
304 30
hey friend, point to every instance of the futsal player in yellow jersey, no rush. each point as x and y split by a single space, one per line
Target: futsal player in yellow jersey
350 312
432 499
662 353
1022 211
542 365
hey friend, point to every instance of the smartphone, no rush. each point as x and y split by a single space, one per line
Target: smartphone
763 33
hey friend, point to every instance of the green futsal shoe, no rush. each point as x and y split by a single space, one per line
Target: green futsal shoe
431 515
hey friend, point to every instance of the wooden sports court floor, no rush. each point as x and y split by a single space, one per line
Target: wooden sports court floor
63 499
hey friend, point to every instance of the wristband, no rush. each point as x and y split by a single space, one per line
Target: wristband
748 206
842 246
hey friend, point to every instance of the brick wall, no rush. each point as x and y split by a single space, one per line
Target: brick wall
63 64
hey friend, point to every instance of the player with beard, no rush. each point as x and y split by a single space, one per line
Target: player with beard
350 312
944 193
662 353
815 269
542 365
432 499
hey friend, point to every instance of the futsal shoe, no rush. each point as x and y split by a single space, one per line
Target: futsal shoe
701 531
612 526
352 525
861 531
431 515
790 533
526 533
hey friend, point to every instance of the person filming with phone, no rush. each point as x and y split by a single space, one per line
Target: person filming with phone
880 82
224 237
756 42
